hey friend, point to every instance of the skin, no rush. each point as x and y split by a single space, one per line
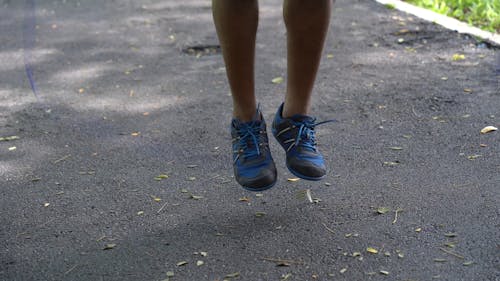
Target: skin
307 24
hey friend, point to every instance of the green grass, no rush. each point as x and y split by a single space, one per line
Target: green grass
484 14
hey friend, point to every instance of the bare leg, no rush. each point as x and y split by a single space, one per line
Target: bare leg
307 24
236 24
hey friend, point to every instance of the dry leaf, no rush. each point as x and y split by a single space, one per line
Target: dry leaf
473 157
457 57
343 270
161 177
372 250
11 138
277 80
293 179
194 197
260 214
200 263
170 274
233 275
488 129
384 272
109 246
396 148
383 210
418 229
182 263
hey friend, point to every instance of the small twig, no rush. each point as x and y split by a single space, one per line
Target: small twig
282 261
327 228
396 216
101 238
452 253
415 112
164 205
71 269
308 195
62 158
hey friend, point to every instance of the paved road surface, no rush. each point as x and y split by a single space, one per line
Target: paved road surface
130 90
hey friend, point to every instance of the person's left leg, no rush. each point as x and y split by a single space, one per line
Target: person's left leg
307 25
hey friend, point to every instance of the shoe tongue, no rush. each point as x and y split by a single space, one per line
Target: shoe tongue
301 118
237 123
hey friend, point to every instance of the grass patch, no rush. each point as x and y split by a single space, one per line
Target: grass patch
484 14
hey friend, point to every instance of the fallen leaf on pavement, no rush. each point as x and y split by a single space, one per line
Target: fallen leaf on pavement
182 263
233 275
457 57
109 246
260 214
383 210
277 80
488 129
11 138
195 197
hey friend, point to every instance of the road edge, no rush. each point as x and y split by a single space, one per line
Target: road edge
445 21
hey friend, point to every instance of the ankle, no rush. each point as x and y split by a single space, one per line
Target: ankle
246 115
290 110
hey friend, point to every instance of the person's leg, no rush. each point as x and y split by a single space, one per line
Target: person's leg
307 24
236 24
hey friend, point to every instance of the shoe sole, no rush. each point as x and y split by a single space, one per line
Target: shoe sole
303 176
248 188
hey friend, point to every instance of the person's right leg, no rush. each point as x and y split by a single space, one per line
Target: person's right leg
236 23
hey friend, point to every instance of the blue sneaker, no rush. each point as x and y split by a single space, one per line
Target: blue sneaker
253 165
296 135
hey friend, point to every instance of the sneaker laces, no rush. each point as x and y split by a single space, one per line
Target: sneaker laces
306 136
248 140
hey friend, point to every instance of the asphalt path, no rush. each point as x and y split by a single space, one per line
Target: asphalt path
121 170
